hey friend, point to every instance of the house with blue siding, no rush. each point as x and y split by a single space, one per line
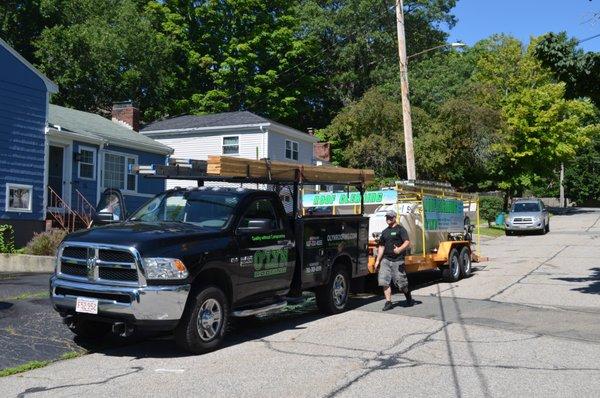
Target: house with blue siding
55 160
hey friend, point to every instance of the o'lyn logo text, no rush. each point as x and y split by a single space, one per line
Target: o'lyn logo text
270 262
338 237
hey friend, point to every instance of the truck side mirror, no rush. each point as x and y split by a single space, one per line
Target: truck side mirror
256 225
105 217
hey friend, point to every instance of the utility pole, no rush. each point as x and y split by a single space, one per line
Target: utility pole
562 186
406 117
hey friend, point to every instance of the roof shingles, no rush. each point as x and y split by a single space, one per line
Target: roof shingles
97 127
213 120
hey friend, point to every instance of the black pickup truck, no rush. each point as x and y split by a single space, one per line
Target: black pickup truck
190 259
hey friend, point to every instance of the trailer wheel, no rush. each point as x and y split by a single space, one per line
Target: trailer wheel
204 323
465 262
333 297
452 272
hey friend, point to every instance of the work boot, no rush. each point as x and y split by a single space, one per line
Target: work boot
409 300
387 306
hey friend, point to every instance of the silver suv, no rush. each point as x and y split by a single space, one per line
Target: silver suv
527 215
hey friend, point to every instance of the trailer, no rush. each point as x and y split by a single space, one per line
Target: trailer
436 228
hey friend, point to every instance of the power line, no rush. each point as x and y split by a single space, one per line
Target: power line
588 38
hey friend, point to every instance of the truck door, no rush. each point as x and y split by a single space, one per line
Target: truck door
266 250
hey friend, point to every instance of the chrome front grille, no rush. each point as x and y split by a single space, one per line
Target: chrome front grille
523 220
100 264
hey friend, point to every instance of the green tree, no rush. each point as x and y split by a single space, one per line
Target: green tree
580 71
101 52
21 22
357 40
581 175
543 130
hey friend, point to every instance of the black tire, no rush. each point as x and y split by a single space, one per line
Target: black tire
203 335
88 329
333 297
508 233
451 272
465 262
547 227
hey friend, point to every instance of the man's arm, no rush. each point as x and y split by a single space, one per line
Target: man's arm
402 247
380 249
405 242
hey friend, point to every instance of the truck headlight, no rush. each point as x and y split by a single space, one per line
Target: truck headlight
164 268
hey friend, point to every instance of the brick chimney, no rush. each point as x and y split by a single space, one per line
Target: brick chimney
322 151
126 114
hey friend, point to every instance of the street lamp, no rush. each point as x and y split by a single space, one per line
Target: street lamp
411 173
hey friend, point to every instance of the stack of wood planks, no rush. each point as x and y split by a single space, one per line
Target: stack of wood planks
227 166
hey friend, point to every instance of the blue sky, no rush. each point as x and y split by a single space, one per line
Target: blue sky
478 19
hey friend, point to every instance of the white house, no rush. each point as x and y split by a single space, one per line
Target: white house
242 134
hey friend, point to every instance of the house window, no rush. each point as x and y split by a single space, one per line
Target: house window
291 150
231 145
118 172
87 163
18 197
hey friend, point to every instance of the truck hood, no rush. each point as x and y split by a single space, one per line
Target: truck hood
145 236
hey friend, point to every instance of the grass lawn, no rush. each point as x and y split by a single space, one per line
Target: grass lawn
493 231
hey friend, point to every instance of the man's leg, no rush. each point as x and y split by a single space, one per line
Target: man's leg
402 282
384 279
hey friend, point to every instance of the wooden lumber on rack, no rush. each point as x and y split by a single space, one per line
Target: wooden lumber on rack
282 171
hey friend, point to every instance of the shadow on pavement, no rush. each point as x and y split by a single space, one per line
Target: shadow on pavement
594 279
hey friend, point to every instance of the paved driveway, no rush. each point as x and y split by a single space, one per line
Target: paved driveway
526 324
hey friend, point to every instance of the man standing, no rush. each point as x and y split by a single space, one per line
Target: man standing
393 244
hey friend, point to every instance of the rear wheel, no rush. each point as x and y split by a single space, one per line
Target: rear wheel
203 326
333 297
88 329
452 272
465 262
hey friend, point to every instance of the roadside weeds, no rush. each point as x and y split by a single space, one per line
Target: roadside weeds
38 364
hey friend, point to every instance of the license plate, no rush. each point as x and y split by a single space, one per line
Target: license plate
86 305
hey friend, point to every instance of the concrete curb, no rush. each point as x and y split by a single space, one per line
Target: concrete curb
26 263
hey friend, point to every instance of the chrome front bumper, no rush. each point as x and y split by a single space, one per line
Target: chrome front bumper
148 303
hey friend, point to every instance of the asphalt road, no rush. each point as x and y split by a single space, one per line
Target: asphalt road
525 324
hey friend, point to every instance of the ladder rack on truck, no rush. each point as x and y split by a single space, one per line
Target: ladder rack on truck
243 171
439 216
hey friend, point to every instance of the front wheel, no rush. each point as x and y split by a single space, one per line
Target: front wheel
203 326
333 297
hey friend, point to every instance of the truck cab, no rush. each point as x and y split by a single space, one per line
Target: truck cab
190 259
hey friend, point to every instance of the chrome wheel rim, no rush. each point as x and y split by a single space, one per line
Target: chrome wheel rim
209 319
455 268
339 291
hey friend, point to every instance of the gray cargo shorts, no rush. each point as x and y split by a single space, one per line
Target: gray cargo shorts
392 271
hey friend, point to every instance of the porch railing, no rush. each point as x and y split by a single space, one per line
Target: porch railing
68 218
84 209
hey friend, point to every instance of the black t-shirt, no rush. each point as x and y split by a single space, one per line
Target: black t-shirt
390 237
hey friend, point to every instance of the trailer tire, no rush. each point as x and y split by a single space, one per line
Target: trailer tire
452 272
205 321
88 329
465 262
333 297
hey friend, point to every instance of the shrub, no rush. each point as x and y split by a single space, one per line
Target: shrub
489 207
7 239
45 243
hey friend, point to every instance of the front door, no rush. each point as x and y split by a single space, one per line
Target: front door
56 169
267 257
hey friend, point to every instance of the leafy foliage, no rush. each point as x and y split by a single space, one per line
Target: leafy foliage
581 175
45 243
580 71
490 207
7 239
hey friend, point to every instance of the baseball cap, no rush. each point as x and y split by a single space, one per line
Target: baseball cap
390 213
